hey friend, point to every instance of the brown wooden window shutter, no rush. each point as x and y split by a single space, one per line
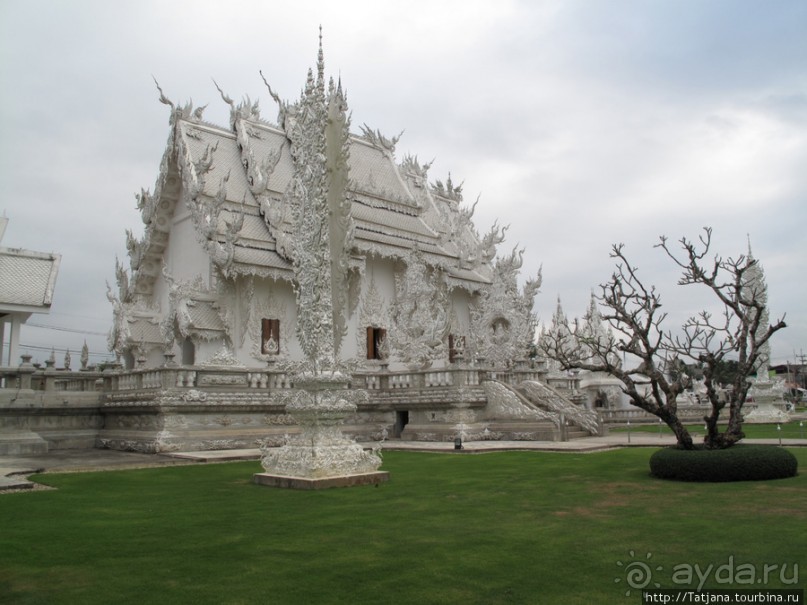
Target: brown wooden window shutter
375 336
270 336
370 342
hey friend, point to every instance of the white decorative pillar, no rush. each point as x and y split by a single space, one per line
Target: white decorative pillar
320 456
14 339
2 342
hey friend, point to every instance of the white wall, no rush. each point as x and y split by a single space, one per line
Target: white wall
186 259
271 300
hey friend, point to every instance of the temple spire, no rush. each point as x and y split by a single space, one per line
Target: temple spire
320 64
559 308
756 289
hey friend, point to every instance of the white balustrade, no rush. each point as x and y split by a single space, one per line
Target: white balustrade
257 380
186 378
400 381
152 380
128 382
279 380
438 379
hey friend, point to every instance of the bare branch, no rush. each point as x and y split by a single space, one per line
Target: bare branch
633 310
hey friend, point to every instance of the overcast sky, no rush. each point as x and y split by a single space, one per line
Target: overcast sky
579 123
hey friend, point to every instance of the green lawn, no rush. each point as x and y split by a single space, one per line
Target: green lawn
516 527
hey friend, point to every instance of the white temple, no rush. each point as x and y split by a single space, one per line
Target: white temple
213 275
298 287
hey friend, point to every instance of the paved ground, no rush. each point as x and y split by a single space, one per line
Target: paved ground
15 469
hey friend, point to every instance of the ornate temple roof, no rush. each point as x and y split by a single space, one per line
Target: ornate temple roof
204 319
388 218
27 279
307 200
238 185
144 329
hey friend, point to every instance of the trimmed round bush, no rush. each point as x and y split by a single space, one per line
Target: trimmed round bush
738 463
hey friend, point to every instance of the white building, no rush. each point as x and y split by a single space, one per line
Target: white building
399 296
212 277
27 280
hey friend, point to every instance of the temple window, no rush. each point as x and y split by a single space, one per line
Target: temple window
270 336
375 342
456 348
188 352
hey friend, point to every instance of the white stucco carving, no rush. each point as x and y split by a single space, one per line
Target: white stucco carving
502 320
505 404
544 396
322 398
754 287
420 314
265 307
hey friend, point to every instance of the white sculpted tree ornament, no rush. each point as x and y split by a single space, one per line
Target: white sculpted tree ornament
632 309
323 229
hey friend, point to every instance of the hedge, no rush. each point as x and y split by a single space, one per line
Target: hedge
738 463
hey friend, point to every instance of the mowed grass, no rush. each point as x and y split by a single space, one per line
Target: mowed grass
515 527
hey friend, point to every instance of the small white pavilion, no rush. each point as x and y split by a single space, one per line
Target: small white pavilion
27 280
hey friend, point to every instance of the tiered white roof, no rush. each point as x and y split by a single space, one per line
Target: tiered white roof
213 170
389 219
27 279
243 187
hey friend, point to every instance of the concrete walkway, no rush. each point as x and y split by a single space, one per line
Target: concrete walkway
15 469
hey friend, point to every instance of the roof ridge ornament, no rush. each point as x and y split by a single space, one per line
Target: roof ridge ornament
379 141
283 107
186 112
448 191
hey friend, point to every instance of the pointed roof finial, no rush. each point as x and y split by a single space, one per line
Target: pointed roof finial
750 255
320 60
163 99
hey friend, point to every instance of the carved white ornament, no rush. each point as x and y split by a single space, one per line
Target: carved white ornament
546 397
421 314
265 308
504 404
320 254
502 320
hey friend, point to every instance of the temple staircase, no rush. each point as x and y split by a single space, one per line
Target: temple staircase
572 420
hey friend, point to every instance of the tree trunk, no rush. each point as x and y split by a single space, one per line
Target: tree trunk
732 434
681 433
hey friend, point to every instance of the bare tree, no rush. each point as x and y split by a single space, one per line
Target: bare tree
633 311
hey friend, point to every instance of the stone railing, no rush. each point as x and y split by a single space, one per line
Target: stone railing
688 414
116 380
195 377
515 377
50 379
418 379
